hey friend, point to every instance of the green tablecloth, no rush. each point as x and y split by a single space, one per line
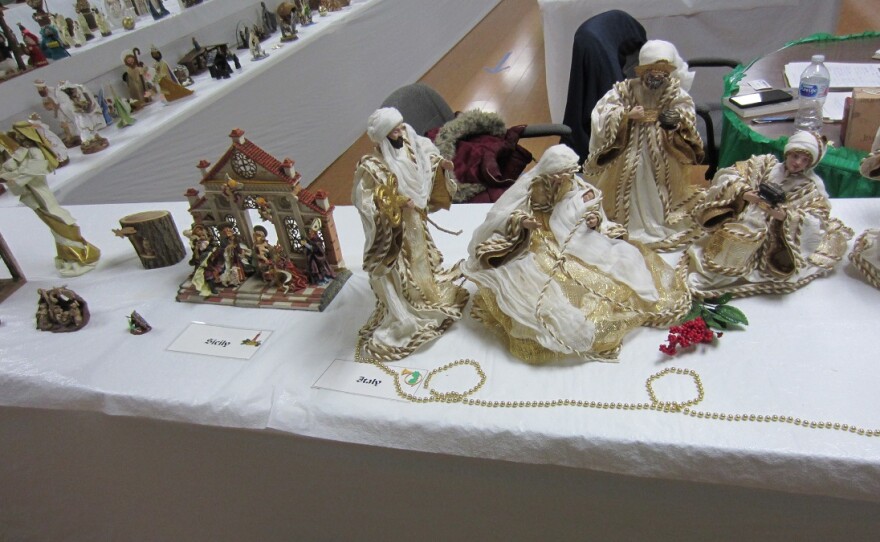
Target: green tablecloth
840 167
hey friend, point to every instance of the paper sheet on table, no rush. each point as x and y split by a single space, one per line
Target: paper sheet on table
833 107
843 74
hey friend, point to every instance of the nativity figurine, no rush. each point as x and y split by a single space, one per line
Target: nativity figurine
865 254
395 188
169 87
768 224
27 161
87 116
61 310
554 275
643 140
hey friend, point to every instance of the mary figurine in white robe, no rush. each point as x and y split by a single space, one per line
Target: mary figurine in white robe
552 277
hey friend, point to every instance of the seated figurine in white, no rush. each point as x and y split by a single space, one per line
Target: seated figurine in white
552 277
866 249
769 224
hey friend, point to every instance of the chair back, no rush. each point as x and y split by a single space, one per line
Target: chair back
604 47
421 106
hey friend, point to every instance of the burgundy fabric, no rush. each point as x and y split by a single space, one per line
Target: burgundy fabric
489 160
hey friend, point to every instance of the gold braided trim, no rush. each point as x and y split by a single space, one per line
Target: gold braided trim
872 274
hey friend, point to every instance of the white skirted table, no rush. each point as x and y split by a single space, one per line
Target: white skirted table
112 436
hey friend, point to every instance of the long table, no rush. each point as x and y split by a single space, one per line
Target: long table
108 435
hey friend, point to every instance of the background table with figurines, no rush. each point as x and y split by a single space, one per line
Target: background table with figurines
103 430
296 102
741 138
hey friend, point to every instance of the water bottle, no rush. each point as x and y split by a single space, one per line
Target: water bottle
812 91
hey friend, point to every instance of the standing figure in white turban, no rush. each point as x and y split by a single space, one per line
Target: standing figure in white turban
866 248
769 223
554 278
394 190
643 138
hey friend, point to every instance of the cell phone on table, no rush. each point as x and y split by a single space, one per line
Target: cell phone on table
764 97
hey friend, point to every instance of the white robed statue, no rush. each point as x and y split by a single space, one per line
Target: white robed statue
552 277
394 190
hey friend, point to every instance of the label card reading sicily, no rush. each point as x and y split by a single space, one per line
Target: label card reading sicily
366 379
225 342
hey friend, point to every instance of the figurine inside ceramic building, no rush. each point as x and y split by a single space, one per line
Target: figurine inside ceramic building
27 161
865 254
234 261
643 139
769 225
556 278
165 81
395 188
86 115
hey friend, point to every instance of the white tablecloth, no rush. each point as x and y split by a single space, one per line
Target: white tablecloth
809 354
739 29
308 100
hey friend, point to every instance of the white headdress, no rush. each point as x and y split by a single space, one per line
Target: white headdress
659 54
810 143
381 122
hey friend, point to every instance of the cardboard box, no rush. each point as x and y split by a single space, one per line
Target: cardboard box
863 119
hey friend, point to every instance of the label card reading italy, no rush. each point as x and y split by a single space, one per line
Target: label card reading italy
366 379
225 342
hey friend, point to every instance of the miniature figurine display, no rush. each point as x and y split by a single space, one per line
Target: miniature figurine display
643 137
137 325
395 188
36 58
87 117
233 261
27 160
553 275
157 9
135 78
62 109
46 134
270 23
165 80
865 254
154 237
51 43
61 310
257 52
769 225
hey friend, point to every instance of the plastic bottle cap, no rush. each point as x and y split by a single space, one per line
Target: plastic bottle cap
818 58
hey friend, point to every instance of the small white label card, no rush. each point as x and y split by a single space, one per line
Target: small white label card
366 379
760 84
225 342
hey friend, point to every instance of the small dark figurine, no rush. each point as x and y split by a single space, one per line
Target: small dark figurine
219 68
137 325
157 9
319 271
270 23
60 310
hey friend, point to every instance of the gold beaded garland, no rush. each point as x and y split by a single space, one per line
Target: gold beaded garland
654 404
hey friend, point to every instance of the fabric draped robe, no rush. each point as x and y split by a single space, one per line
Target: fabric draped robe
642 168
583 307
416 299
747 252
